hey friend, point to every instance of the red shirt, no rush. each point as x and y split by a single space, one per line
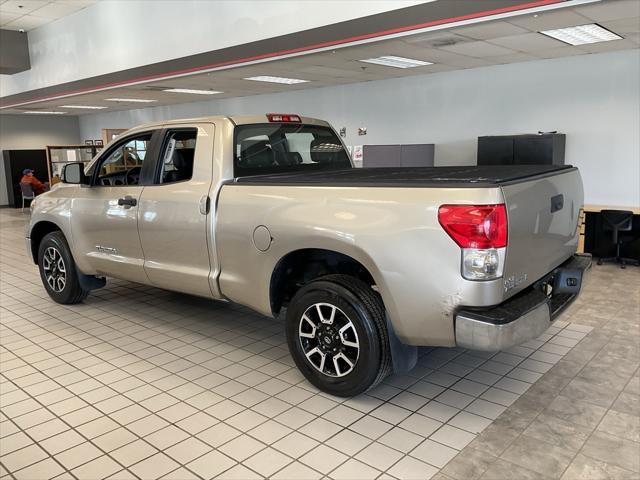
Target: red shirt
37 185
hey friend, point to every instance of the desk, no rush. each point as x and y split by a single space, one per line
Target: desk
594 209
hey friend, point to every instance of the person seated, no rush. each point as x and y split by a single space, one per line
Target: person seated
37 185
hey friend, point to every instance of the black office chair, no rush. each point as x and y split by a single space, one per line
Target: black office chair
617 221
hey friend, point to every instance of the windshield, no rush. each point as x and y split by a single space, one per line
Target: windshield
274 148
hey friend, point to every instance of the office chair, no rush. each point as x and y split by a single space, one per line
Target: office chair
27 193
617 221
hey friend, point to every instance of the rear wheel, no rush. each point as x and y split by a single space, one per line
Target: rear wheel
337 335
58 270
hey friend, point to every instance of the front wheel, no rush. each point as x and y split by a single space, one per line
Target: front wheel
58 270
337 335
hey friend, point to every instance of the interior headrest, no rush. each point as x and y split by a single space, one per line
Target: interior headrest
324 151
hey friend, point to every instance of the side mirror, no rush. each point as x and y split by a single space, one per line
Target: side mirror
74 173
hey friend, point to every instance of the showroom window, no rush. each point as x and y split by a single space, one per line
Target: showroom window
177 156
273 148
123 165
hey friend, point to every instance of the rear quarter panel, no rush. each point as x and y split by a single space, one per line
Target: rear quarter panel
393 232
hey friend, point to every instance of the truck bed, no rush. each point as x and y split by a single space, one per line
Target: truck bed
462 176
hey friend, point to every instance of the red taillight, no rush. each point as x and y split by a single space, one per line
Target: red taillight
475 226
284 118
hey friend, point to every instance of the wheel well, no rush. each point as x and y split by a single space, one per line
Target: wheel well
38 232
298 268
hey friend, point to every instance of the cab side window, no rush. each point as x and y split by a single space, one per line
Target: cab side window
123 165
177 156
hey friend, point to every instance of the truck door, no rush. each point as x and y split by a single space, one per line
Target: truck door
104 222
173 220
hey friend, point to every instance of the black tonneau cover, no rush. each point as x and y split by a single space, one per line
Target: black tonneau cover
463 176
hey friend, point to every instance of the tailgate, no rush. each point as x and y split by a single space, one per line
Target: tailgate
543 226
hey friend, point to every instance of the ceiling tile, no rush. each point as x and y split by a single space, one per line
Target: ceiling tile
608 46
27 22
623 26
549 20
611 10
529 42
514 58
488 30
6 17
565 51
633 37
22 7
437 39
55 10
78 3
328 71
443 57
478 49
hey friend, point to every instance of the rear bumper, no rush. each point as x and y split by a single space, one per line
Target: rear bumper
522 317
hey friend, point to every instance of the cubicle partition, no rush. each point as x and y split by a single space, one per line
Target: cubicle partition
411 155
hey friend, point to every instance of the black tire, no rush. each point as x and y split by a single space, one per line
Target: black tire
71 292
354 299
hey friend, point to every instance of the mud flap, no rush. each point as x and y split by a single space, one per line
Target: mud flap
403 357
90 282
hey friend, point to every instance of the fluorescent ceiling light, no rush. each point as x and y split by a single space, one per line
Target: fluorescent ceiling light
286 81
43 112
397 62
130 100
189 90
582 34
86 107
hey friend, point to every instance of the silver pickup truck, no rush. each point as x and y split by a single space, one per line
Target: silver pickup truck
268 211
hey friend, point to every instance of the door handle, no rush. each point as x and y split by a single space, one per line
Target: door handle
127 202
204 204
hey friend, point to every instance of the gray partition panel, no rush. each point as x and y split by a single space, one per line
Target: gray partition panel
414 155
417 155
381 156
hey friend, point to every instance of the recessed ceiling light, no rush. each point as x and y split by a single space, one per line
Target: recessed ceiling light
189 90
397 62
582 34
43 112
130 100
86 107
270 79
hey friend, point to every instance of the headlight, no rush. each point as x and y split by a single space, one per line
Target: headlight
482 264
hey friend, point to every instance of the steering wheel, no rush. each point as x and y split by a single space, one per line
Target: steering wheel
132 176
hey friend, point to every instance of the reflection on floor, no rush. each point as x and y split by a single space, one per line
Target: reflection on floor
140 382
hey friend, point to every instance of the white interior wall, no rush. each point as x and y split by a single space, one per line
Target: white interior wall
26 132
110 36
594 99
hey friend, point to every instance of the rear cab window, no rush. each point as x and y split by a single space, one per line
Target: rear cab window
264 149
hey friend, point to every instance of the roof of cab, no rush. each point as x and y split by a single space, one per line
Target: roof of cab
236 119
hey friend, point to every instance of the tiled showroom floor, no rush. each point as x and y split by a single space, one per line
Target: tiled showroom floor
142 383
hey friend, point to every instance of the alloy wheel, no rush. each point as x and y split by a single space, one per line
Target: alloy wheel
329 339
54 268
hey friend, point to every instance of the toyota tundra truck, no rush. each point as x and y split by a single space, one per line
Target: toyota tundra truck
269 212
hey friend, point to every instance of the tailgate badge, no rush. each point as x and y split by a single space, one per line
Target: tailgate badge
513 281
